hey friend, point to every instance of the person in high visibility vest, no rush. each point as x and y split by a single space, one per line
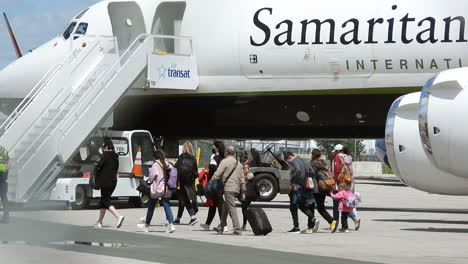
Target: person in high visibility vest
4 166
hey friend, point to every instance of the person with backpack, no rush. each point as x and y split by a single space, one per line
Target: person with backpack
301 196
346 202
325 186
187 172
348 160
230 181
342 170
159 191
106 179
4 167
214 201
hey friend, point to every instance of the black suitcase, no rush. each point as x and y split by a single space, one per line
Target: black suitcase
258 220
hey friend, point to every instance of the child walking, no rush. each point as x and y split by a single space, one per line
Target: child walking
345 199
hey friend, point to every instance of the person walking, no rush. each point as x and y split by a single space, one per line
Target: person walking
343 206
106 179
159 192
299 196
318 164
348 161
251 193
4 168
216 202
231 175
187 172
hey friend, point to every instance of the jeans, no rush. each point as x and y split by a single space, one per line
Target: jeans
229 207
4 197
167 209
336 214
305 208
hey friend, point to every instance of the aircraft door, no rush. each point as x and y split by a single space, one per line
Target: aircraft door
127 23
168 20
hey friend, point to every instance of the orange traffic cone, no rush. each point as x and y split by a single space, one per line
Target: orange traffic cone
137 166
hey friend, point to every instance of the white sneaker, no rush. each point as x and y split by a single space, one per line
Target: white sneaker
97 225
205 227
143 228
120 221
225 229
170 229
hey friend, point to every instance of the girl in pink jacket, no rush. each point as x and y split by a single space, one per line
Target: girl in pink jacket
345 203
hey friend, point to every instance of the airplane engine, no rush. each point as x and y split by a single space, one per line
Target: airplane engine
406 154
443 122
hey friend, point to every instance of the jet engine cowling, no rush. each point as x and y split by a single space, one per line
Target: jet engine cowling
443 123
407 156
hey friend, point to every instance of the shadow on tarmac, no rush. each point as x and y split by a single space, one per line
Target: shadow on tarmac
438 230
423 221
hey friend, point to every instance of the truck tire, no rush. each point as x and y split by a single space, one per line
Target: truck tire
81 198
267 186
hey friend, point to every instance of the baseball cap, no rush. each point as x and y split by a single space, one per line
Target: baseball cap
339 147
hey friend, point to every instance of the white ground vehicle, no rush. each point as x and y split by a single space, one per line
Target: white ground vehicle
73 183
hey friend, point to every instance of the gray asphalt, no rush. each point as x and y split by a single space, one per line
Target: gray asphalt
147 247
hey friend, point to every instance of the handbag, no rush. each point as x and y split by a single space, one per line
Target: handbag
92 179
144 187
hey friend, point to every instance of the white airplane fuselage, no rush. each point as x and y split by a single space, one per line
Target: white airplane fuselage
247 51
277 46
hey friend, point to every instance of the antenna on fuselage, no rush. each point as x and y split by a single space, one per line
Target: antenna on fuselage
13 38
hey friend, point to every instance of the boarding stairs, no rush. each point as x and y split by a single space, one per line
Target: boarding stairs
64 108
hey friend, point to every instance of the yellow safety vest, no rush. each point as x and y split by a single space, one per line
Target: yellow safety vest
3 159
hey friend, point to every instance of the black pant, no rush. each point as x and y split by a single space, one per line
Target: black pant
219 201
185 201
106 194
306 209
245 206
320 201
344 220
4 197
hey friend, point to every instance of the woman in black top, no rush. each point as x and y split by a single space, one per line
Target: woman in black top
187 172
215 160
106 179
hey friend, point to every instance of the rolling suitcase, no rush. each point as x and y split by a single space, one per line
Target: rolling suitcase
258 220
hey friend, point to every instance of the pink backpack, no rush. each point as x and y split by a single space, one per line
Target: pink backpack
158 187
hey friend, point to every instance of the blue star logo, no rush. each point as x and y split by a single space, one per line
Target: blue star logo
162 72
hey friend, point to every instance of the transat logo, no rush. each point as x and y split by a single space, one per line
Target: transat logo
173 72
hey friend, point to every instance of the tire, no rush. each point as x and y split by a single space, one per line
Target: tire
267 186
81 198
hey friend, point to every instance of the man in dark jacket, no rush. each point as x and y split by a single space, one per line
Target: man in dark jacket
299 196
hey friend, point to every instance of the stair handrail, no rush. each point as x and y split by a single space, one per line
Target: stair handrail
53 100
31 96
111 72
54 118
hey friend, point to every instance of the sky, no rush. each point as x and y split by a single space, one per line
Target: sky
34 22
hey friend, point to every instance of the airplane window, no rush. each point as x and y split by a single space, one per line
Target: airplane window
82 28
69 30
81 14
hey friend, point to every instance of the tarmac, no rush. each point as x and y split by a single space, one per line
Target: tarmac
400 225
